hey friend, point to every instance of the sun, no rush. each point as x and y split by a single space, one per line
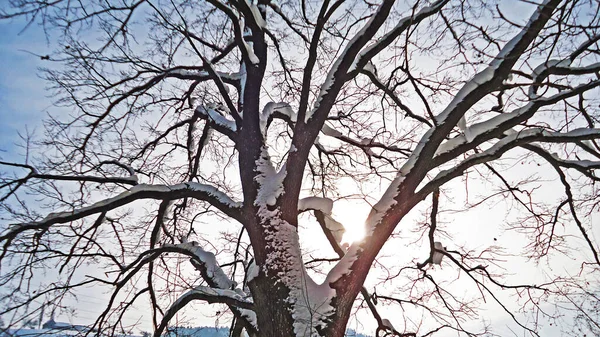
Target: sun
352 215
353 233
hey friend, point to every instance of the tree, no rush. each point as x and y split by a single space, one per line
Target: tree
250 114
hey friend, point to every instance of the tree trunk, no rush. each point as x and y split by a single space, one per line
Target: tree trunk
273 313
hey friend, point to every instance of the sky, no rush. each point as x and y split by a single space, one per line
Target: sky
23 97
25 103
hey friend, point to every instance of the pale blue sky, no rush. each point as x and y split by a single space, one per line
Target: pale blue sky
23 99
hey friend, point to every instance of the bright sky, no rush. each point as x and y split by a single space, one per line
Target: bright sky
22 94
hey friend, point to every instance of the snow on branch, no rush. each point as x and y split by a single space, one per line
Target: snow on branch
557 67
223 89
272 110
270 181
563 66
216 117
384 205
359 59
337 72
479 86
124 166
221 288
208 294
14 185
195 190
507 143
207 264
585 167
365 144
322 207
239 28
502 124
256 16
403 24
186 73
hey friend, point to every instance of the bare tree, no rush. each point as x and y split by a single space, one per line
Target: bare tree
243 115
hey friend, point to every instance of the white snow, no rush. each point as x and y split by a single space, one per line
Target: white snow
249 45
584 164
269 180
343 266
539 70
209 190
243 79
194 73
384 204
221 293
272 107
256 14
437 254
336 228
253 271
250 316
213 270
324 205
331 132
370 67
478 129
474 83
462 125
216 117
212 292
310 302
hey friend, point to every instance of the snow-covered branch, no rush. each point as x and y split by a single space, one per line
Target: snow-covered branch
403 24
334 231
195 190
217 120
238 29
503 145
218 80
480 85
352 59
221 288
201 74
563 67
365 144
585 167
208 294
337 73
276 110
502 124
13 185
206 263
